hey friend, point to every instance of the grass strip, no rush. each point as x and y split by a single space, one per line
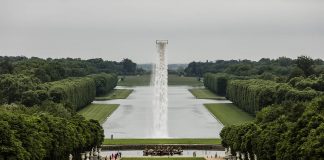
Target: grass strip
202 93
144 80
212 141
141 80
98 112
115 94
228 113
181 80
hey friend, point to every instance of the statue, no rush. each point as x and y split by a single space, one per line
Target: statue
95 153
87 155
82 156
91 153
99 152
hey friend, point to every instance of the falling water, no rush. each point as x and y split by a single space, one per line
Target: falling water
160 85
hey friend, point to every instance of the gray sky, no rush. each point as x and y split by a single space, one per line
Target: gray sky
196 29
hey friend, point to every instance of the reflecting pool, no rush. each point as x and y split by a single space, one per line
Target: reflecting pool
187 117
186 153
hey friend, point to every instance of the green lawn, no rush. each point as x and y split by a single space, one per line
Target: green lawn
202 93
164 158
162 141
98 112
144 80
186 81
228 114
115 94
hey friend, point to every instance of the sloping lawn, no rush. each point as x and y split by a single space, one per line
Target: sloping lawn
98 112
115 94
202 93
228 114
186 81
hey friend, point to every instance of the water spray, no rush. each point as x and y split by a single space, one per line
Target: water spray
160 84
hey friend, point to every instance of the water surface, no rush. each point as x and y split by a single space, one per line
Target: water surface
187 117
186 153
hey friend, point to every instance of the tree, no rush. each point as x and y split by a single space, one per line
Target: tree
6 66
29 98
283 131
32 133
306 64
10 146
128 66
13 86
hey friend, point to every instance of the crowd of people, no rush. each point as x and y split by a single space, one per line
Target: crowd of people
114 156
161 151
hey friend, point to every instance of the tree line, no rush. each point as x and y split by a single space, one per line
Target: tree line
289 113
39 121
281 67
104 82
47 70
218 82
291 130
289 118
254 94
32 133
75 92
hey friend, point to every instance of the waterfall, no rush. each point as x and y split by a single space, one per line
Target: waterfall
160 84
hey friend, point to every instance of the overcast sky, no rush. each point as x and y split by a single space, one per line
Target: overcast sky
197 30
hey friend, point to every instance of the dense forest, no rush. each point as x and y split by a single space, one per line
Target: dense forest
38 103
289 110
47 70
281 67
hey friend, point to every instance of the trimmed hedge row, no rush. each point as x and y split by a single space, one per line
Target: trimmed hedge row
79 92
104 82
216 83
251 95
255 94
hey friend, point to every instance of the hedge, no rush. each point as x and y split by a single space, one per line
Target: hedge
216 83
255 94
78 92
104 82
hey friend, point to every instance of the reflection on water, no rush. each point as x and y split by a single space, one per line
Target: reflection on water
186 153
187 117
